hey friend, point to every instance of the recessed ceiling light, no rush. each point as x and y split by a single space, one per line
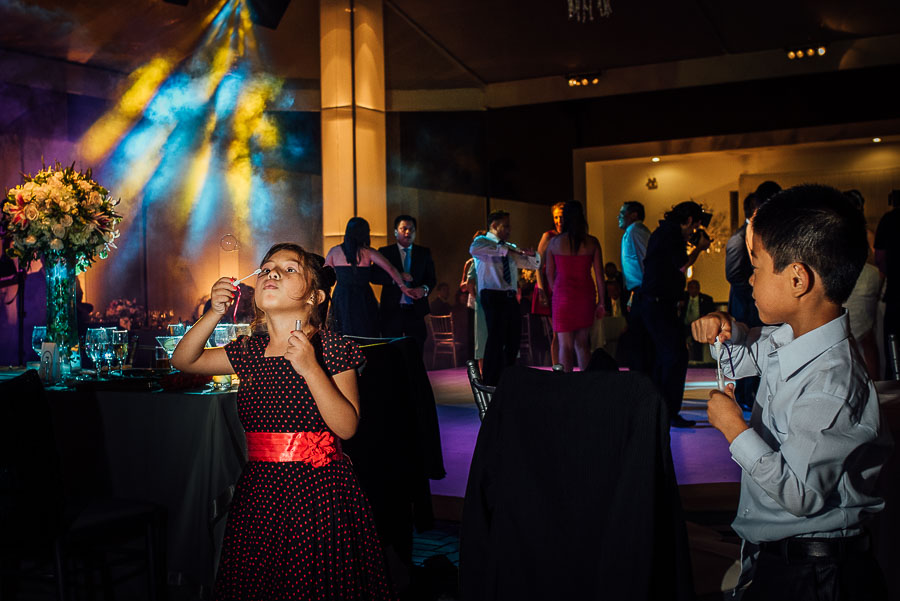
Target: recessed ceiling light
821 50
655 159
876 140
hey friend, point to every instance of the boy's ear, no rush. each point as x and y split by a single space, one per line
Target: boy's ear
802 279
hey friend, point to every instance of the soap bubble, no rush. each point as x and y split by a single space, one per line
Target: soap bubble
228 243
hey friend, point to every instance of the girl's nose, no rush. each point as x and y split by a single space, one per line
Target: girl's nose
274 274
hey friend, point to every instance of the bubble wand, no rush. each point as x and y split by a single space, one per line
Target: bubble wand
237 299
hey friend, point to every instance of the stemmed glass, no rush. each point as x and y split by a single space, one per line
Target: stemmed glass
96 341
119 342
168 343
38 336
109 352
223 334
176 329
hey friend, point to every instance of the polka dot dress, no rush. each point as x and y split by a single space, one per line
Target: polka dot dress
295 531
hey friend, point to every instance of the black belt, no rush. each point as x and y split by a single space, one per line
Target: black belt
812 548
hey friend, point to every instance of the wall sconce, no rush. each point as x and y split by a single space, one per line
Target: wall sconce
651 183
810 52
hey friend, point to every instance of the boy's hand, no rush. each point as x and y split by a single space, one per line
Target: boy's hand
725 414
709 326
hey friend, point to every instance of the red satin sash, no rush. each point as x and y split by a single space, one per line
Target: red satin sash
316 448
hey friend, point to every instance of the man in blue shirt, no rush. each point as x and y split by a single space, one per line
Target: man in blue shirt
637 348
812 453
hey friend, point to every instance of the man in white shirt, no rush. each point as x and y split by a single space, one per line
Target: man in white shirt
496 265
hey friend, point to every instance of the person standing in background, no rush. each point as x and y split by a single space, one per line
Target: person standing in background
576 302
636 346
496 263
540 301
887 258
402 313
664 266
738 270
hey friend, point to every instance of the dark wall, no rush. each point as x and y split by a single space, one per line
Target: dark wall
525 153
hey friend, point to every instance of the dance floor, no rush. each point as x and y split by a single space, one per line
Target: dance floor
700 453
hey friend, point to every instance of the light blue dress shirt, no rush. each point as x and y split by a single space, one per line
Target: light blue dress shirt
634 249
815 445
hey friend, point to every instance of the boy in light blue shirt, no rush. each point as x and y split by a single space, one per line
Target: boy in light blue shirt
815 445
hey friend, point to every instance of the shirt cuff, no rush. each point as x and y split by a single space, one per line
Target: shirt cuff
748 448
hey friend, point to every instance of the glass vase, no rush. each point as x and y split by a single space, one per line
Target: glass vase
62 320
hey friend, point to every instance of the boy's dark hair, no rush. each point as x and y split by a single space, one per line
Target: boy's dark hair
409 218
633 206
496 216
819 227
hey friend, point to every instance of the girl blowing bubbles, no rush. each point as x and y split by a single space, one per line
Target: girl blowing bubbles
299 526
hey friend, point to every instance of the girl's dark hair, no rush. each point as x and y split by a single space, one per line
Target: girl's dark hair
819 227
356 237
574 224
318 276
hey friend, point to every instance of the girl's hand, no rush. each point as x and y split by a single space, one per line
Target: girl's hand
222 295
709 326
301 354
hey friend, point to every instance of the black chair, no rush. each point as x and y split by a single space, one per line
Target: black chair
481 391
44 524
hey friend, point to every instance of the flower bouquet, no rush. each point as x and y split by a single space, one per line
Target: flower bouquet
127 312
66 219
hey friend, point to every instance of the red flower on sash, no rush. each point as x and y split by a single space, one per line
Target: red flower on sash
316 448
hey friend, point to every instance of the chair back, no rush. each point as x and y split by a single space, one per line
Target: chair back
580 463
441 329
480 390
31 490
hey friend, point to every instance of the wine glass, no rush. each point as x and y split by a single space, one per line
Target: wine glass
168 343
95 342
242 329
38 336
222 334
119 343
108 352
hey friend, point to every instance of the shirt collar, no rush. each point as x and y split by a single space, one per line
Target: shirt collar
492 236
795 353
400 246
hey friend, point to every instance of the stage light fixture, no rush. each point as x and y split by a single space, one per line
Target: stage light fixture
267 13
876 140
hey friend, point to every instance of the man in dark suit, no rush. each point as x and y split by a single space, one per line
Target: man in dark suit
402 315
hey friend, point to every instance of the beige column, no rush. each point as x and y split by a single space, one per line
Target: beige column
354 164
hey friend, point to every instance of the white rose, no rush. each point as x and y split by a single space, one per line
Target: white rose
41 193
94 199
66 220
30 240
58 175
56 244
31 212
29 186
59 230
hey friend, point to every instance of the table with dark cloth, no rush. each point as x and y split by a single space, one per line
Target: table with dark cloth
572 493
183 451
397 448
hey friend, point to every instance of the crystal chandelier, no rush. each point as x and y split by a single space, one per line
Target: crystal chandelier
583 10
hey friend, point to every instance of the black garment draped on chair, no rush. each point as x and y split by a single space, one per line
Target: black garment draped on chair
572 493
397 447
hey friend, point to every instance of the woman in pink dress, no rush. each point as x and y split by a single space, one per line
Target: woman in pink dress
576 301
